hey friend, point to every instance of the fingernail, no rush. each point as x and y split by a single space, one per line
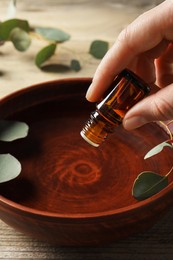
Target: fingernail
134 122
89 92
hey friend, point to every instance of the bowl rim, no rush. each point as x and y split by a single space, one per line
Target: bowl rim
133 207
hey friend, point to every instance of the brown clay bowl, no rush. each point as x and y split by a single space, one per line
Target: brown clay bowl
70 193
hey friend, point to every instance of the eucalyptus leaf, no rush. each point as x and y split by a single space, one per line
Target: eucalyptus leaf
157 149
53 34
12 130
75 65
7 26
98 48
147 184
10 167
55 68
44 54
20 39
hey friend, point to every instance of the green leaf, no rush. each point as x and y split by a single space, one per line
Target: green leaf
147 184
10 167
157 149
98 48
12 130
75 65
7 26
20 39
55 68
44 54
53 34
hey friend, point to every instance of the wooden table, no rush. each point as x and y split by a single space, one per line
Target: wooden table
85 21
155 244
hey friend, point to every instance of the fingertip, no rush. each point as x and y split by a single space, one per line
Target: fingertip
134 122
89 93
93 93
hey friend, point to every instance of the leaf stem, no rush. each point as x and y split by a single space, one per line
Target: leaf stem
167 128
169 172
171 138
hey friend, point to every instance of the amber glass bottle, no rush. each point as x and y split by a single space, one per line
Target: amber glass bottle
126 90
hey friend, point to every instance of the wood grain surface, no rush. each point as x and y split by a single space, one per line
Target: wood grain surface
18 71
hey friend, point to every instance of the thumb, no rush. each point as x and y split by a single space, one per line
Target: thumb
156 107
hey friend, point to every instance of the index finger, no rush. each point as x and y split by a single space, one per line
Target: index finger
145 33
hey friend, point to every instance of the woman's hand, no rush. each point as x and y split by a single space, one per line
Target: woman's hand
146 47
